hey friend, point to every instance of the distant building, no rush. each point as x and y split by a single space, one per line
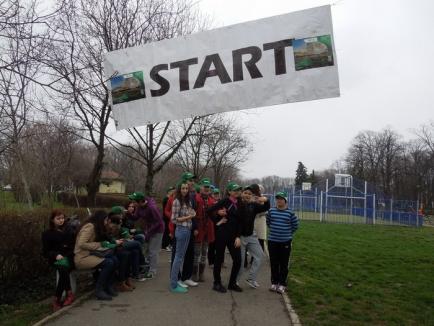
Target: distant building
111 182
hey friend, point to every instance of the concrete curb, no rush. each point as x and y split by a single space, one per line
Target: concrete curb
60 312
295 321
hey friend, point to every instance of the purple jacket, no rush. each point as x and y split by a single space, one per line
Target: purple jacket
152 218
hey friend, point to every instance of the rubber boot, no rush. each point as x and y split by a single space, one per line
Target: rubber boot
201 273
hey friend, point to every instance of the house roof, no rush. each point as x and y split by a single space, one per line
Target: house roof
111 175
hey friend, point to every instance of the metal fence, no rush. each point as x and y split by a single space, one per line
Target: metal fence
351 201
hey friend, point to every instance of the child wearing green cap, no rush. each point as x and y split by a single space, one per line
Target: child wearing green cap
282 224
228 232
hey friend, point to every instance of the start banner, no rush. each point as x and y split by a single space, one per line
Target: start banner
276 60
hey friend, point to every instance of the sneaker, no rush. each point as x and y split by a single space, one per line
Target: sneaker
139 278
235 287
281 289
179 289
252 284
273 288
182 284
149 275
191 283
69 299
168 248
219 288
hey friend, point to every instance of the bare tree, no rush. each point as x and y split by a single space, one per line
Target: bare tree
216 145
50 146
21 48
229 147
194 154
88 29
151 147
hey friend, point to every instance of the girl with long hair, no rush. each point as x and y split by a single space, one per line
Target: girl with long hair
182 215
58 248
90 241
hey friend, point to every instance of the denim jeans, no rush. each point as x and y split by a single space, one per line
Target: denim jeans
182 235
251 243
154 247
137 258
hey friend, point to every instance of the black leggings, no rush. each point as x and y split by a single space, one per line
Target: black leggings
279 260
223 241
64 283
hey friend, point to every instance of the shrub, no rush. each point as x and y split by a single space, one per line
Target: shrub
102 200
22 266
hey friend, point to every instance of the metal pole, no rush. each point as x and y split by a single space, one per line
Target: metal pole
326 200
316 199
365 203
301 204
320 208
373 211
391 211
351 201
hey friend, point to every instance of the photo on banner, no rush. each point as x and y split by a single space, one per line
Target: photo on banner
127 87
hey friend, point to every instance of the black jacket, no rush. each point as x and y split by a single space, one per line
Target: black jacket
247 213
233 225
57 242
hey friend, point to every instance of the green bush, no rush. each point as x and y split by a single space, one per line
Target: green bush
24 272
102 200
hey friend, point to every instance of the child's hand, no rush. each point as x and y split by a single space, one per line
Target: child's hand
59 257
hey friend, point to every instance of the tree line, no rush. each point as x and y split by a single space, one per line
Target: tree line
397 168
55 117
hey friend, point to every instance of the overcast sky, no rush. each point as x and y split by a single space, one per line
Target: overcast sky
385 55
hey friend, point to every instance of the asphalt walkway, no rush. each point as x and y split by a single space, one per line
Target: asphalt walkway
151 303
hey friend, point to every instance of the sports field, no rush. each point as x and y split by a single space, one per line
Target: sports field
362 275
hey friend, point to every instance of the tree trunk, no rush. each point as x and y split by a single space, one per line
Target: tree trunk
24 181
149 185
94 178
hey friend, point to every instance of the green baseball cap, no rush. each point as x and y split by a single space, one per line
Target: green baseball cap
186 176
137 195
281 194
232 186
117 210
216 191
170 188
205 182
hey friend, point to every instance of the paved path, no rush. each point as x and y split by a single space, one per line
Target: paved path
151 303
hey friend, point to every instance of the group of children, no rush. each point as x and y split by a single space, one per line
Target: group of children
196 224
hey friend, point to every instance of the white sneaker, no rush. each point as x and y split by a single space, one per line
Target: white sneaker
182 284
191 283
281 289
273 287
253 284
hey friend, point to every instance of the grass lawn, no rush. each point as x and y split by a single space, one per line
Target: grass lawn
7 201
362 275
26 314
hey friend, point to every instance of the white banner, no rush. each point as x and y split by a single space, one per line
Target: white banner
276 60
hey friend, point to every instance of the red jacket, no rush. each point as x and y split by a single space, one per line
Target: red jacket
205 225
168 213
